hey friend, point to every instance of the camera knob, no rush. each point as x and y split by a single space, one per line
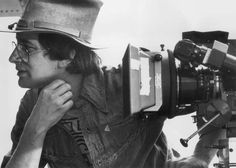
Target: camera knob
184 142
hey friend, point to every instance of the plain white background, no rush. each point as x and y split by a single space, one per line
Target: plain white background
145 23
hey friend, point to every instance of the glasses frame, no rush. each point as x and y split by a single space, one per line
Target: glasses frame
24 53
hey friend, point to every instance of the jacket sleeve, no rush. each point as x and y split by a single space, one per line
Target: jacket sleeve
25 108
212 133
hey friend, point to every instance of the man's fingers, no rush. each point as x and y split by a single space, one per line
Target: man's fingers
56 83
62 99
66 96
66 106
63 88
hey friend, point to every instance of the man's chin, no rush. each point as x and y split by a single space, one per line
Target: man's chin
23 84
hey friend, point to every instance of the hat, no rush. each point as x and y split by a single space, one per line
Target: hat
72 18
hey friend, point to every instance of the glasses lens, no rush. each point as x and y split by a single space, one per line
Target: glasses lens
21 51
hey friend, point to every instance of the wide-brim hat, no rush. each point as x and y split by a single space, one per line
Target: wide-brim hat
72 18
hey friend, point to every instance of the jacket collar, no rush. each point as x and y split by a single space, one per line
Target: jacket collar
93 90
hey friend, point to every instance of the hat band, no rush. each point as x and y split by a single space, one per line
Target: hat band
35 25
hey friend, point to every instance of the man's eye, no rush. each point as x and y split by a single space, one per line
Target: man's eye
26 48
22 47
29 49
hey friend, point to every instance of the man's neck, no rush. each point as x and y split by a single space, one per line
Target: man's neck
75 81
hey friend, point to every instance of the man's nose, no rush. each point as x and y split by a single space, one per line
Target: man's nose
14 57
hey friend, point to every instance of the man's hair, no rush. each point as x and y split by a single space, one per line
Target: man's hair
85 61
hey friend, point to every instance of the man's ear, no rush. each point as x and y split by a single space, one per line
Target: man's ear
64 63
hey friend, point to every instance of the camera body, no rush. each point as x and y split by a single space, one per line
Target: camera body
174 83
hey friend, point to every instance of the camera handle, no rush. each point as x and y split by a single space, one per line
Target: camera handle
222 110
184 142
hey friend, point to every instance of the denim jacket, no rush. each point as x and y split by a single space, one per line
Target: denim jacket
112 139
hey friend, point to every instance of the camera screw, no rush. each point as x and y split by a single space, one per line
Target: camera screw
162 47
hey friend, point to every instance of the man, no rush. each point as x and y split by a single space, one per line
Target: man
72 114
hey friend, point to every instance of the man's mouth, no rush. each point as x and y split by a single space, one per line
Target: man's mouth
21 72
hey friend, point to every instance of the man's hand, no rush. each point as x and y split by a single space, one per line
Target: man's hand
188 162
53 102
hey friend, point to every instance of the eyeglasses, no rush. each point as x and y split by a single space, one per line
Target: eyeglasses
25 53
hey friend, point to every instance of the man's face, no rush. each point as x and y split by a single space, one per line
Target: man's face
35 69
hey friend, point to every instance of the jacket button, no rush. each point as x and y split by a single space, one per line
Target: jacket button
99 162
88 130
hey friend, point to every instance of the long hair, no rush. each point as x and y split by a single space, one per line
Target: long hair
85 61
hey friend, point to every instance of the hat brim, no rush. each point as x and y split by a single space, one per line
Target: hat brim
84 43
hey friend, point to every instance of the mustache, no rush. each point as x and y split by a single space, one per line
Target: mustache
20 67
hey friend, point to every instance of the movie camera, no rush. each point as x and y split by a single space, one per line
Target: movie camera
173 83
154 82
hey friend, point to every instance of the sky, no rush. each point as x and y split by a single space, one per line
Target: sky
143 23
149 23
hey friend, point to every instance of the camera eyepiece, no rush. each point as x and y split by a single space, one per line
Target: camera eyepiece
188 52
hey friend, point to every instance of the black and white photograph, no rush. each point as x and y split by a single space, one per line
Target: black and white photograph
117 84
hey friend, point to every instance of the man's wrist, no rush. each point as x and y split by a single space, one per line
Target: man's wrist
34 132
